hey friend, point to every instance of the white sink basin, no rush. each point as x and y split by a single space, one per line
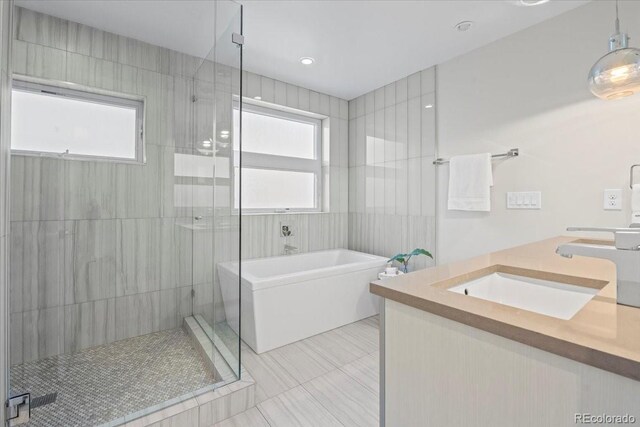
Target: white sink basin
541 296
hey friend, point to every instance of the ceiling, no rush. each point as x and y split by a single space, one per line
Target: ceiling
182 25
358 45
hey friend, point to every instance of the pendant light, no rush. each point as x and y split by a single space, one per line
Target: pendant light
617 74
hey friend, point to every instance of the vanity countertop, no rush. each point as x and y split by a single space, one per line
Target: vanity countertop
603 333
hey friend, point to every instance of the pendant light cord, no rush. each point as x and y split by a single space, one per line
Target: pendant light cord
617 19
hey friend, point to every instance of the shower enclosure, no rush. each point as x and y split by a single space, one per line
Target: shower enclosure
121 205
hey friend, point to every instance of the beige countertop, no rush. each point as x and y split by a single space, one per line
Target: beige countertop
602 334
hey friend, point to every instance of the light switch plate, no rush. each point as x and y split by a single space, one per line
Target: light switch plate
524 200
612 200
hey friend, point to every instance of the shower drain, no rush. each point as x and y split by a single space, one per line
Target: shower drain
36 402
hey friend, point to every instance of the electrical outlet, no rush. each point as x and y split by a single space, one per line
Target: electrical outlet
612 200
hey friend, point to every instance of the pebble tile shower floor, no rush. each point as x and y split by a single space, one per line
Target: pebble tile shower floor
105 383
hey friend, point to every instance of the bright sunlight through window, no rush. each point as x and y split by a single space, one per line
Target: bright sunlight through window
281 162
74 124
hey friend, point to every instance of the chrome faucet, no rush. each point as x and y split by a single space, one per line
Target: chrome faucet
625 254
288 249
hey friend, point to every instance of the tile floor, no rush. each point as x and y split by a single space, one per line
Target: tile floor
330 379
157 367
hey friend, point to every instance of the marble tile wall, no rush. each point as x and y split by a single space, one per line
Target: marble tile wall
217 234
6 9
99 250
313 232
392 144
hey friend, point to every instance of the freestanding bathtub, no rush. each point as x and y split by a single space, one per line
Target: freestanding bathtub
292 297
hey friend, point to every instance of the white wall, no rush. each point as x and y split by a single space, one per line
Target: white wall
529 91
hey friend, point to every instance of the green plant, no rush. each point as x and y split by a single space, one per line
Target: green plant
404 258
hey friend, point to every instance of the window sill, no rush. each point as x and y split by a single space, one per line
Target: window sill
285 213
77 157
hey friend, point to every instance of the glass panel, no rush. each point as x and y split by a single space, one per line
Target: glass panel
76 126
216 226
116 260
277 189
280 136
228 222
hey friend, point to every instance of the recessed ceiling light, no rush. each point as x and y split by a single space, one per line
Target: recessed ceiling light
206 143
257 97
533 2
428 106
307 60
224 132
464 26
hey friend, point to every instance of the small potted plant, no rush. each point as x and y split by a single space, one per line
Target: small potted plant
404 258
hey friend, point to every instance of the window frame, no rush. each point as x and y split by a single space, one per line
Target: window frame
252 160
81 93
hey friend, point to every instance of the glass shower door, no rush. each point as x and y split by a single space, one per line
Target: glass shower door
217 93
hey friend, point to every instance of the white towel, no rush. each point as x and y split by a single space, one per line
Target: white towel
635 204
470 181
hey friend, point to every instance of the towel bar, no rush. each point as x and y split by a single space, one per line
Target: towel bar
514 152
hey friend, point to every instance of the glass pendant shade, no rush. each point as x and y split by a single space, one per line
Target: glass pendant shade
616 74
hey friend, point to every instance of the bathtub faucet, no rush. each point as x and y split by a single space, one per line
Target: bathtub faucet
288 249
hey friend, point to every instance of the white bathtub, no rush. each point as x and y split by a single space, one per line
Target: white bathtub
292 297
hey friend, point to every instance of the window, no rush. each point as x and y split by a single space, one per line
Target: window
281 160
58 121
